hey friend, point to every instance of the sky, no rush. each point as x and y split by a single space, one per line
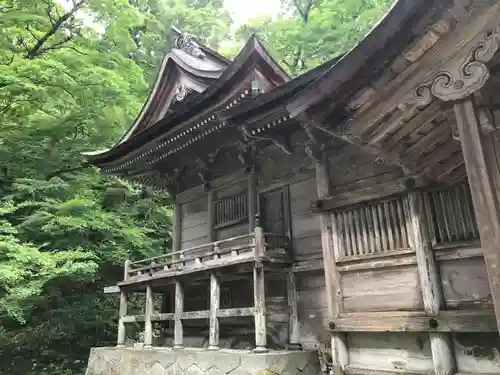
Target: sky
243 10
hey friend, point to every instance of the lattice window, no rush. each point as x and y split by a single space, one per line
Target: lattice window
450 214
372 228
225 298
230 210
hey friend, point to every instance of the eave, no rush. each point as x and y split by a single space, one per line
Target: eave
252 56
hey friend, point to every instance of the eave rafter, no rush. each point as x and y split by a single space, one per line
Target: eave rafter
410 124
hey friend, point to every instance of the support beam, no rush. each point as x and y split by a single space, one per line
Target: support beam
122 330
333 288
176 239
252 199
481 154
293 323
214 308
260 308
210 215
148 324
179 309
443 356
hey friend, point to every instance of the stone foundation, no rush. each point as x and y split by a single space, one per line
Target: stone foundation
165 361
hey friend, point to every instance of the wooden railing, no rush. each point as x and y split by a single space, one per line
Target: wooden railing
275 246
251 247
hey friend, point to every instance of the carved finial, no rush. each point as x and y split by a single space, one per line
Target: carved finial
188 43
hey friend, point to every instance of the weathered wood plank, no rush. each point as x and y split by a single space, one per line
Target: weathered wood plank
214 307
332 277
480 154
293 324
148 324
416 321
430 284
179 310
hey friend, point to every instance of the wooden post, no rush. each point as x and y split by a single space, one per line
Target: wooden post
293 324
179 309
340 354
176 239
148 324
214 307
252 199
481 156
122 330
260 308
443 356
210 215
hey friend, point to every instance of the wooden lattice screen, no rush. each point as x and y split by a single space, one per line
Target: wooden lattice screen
372 228
230 210
451 215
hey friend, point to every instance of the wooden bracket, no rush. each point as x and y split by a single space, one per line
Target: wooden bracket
248 154
315 148
174 182
205 168
281 141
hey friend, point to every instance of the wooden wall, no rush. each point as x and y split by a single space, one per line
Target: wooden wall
194 229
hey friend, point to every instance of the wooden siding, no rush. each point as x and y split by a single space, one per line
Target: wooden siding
387 289
194 229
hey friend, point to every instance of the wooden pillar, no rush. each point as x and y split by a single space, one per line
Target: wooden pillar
259 292
176 237
179 309
481 151
443 356
210 215
148 324
214 307
340 354
252 199
122 330
293 324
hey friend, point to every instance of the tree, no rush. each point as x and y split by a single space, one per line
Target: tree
310 32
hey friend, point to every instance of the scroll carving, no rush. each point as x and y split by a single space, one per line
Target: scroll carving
463 78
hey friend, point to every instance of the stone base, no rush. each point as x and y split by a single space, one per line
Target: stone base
165 361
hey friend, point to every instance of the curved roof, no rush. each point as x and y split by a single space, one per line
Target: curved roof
253 57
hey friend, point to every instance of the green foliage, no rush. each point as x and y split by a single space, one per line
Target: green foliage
73 76
311 32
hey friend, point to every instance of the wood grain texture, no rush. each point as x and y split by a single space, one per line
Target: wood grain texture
382 290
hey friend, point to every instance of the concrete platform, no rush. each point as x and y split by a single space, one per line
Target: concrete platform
166 361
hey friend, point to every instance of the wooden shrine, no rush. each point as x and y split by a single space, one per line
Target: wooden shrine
352 210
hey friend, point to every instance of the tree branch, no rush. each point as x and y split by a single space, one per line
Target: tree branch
39 47
67 170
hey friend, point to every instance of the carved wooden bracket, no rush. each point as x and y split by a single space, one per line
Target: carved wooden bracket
460 78
205 168
315 148
174 181
248 154
281 141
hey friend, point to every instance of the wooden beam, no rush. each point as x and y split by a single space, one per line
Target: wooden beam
333 287
252 199
176 239
480 151
417 321
293 323
122 332
259 291
210 215
148 324
380 190
179 309
214 307
443 356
